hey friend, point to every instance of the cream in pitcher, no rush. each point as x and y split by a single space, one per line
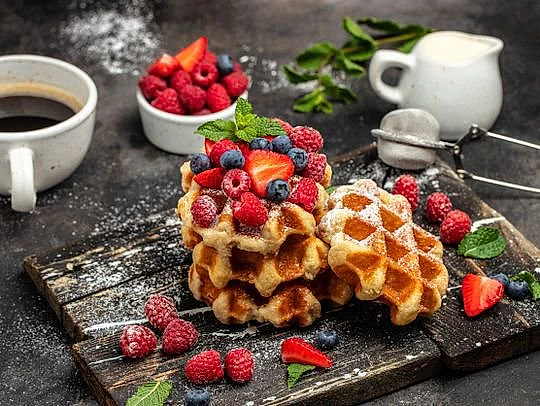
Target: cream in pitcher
453 75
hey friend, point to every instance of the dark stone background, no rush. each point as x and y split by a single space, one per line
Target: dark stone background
124 178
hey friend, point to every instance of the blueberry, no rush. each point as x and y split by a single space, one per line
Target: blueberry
299 158
277 190
327 339
232 159
225 64
281 144
261 143
200 163
197 397
501 278
518 289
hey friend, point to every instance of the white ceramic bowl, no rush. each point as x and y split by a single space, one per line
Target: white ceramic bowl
176 133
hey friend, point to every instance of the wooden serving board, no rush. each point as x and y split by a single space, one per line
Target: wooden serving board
98 286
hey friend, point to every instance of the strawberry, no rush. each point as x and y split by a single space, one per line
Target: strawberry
191 55
295 349
211 178
264 166
480 293
164 66
208 144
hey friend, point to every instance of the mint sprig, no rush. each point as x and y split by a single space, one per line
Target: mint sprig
484 243
322 62
153 393
534 284
295 371
245 127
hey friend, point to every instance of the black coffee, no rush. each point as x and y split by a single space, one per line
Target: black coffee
28 113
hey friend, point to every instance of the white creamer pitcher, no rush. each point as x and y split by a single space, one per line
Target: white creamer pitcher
453 75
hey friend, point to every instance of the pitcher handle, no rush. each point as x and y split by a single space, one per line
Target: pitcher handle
23 192
382 60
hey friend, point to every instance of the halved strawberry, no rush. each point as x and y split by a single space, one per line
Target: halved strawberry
211 178
480 293
164 66
295 349
208 144
264 166
244 147
191 55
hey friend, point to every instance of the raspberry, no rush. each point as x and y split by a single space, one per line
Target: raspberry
137 341
202 112
438 205
235 182
219 148
236 83
151 85
305 194
454 227
239 365
192 97
306 138
217 98
167 100
204 74
209 56
250 210
406 186
238 67
179 336
204 211
286 126
160 311
179 79
211 178
204 368
316 166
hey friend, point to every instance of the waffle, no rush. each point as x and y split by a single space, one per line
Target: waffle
376 248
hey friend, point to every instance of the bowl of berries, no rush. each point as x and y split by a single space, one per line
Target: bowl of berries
181 92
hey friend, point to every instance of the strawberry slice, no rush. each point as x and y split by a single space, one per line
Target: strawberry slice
480 293
191 55
210 178
164 66
264 166
295 349
208 144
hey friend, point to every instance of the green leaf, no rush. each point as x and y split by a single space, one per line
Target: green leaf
295 371
313 102
247 134
295 77
316 56
484 243
217 130
408 45
267 126
330 189
534 285
153 393
337 92
351 68
358 33
243 114
392 27
357 52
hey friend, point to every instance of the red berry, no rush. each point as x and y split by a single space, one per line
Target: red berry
480 293
191 55
406 186
211 57
204 368
264 166
286 126
454 227
204 210
219 148
179 79
179 336
167 100
208 145
244 147
316 167
296 350
192 97
236 83
151 85
204 74
307 138
202 112
210 178
160 311
217 98
164 66
305 194
237 67
236 182
250 210
239 365
137 341
438 205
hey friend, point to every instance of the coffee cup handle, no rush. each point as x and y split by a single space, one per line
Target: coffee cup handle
23 192
381 61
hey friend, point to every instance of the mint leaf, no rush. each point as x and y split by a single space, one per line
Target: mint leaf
408 46
484 243
330 189
295 371
313 102
358 33
243 114
153 393
316 55
357 52
534 285
345 64
247 134
267 126
392 27
217 130
296 77
337 92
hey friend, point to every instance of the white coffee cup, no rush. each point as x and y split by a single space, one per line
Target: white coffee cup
32 161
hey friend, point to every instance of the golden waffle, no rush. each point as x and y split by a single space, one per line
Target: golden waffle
376 248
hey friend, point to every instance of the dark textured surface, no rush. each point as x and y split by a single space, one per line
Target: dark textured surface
123 177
